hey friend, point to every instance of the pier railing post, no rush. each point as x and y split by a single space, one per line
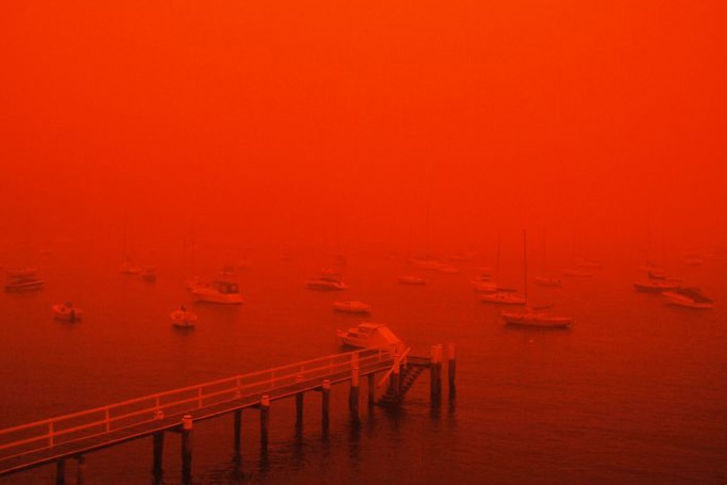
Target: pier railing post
435 370
158 453
264 421
187 449
451 369
325 404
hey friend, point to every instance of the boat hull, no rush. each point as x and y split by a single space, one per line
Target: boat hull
211 296
654 286
66 314
351 307
503 299
17 287
536 320
684 301
324 285
183 319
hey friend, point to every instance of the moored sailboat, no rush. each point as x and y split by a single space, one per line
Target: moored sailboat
532 317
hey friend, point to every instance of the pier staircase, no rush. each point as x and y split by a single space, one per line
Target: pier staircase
409 375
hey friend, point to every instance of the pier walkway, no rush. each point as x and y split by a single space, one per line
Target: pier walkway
72 435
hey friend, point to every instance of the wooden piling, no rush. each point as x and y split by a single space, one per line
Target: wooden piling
299 410
451 370
435 371
353 395
158 453
81 469
264 422
395 379
187 449
238 433
372 389
325 404
61 472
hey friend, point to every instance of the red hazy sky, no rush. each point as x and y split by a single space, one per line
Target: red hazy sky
363 120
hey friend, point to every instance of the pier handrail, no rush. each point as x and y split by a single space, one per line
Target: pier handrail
397 361
49 432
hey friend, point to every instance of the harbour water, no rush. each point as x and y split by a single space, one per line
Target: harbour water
635 392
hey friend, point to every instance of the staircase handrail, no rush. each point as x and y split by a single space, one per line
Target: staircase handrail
397 361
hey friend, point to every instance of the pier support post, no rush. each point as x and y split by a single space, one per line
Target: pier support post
435 369
264 422
451 369
158 453
187 449
325 404
395 379
372 390
80 471
354 394
238 433
61 472
299 410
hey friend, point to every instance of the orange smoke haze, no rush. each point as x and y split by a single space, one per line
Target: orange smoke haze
342 123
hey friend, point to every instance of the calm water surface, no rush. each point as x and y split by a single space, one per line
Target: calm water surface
634 393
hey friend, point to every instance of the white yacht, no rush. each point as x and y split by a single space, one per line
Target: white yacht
549 281
326 281
503 298
67 312
218 291
183 318
369 335
689 298
351 306
536 318
412 280
23 280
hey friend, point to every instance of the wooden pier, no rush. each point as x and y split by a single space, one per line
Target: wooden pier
72 436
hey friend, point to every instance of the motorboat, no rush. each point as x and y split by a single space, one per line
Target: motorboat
689 298
128 267
693 260
23 281
655 285
548 281
503 298
67 312
427 264
351 306
577 272
149 274
447 269
370 335
24 272
589 263
536 318
183 318
218 291
412 280
326 281
482 286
